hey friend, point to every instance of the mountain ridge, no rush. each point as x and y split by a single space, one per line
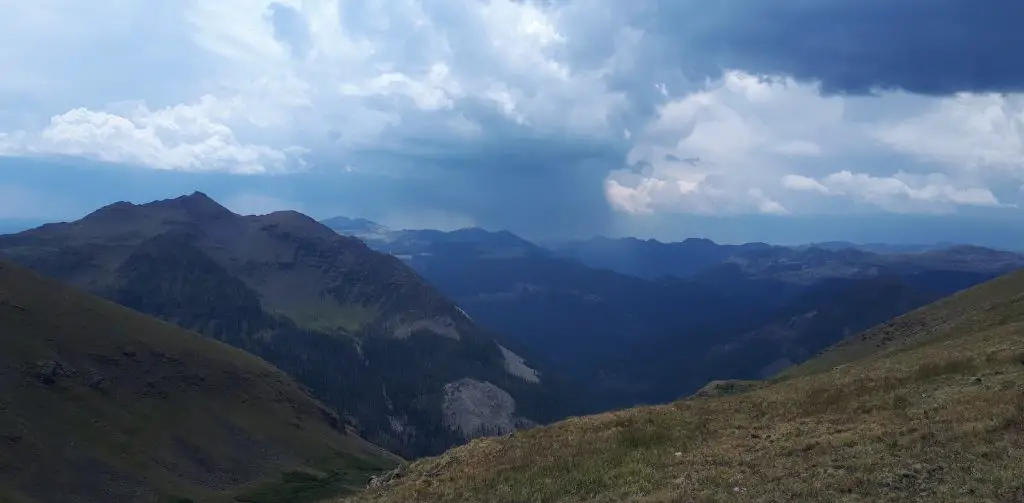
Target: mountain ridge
313 302
649 338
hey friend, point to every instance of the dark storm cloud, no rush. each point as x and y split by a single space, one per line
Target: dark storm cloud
851 46
475 110
535 186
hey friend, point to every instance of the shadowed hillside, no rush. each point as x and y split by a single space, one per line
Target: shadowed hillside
101 403
928 407
361 329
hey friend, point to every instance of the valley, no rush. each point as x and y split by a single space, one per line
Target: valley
420 341
698 311
927 407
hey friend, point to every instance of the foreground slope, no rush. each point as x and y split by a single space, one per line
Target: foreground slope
935 414
362 330
101 403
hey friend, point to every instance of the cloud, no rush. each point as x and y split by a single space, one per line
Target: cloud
752 142
735 134
184 137
965 132
545 117
937 47
900 193
803 183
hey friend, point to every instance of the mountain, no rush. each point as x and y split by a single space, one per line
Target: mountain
361 329
705 260
880 247
575 318
102 403
927 408
630 340
652 259
759 345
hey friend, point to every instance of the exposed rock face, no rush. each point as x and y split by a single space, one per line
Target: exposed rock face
48 371
727 388
475 408
515 365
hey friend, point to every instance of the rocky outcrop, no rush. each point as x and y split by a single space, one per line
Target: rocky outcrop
475 408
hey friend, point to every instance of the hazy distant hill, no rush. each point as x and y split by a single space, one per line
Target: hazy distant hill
803 264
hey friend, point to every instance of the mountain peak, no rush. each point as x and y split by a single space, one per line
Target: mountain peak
197 203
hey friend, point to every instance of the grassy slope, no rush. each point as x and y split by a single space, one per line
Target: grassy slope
990 305
142 409
939 417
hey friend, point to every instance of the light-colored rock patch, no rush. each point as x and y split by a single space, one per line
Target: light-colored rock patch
400 426
476 408
464 313
515 365
443 326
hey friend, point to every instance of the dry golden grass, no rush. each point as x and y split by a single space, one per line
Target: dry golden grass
935 414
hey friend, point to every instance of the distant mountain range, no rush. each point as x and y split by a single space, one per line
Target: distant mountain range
415 340
361 329
640 321
361 314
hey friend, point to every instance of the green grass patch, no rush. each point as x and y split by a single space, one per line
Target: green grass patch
303 487
339 474
327 317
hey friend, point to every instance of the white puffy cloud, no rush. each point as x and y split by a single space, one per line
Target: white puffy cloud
747 144
965 132
184 137
259 75
898 193
720 149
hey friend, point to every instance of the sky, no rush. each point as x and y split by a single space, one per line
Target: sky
738 120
